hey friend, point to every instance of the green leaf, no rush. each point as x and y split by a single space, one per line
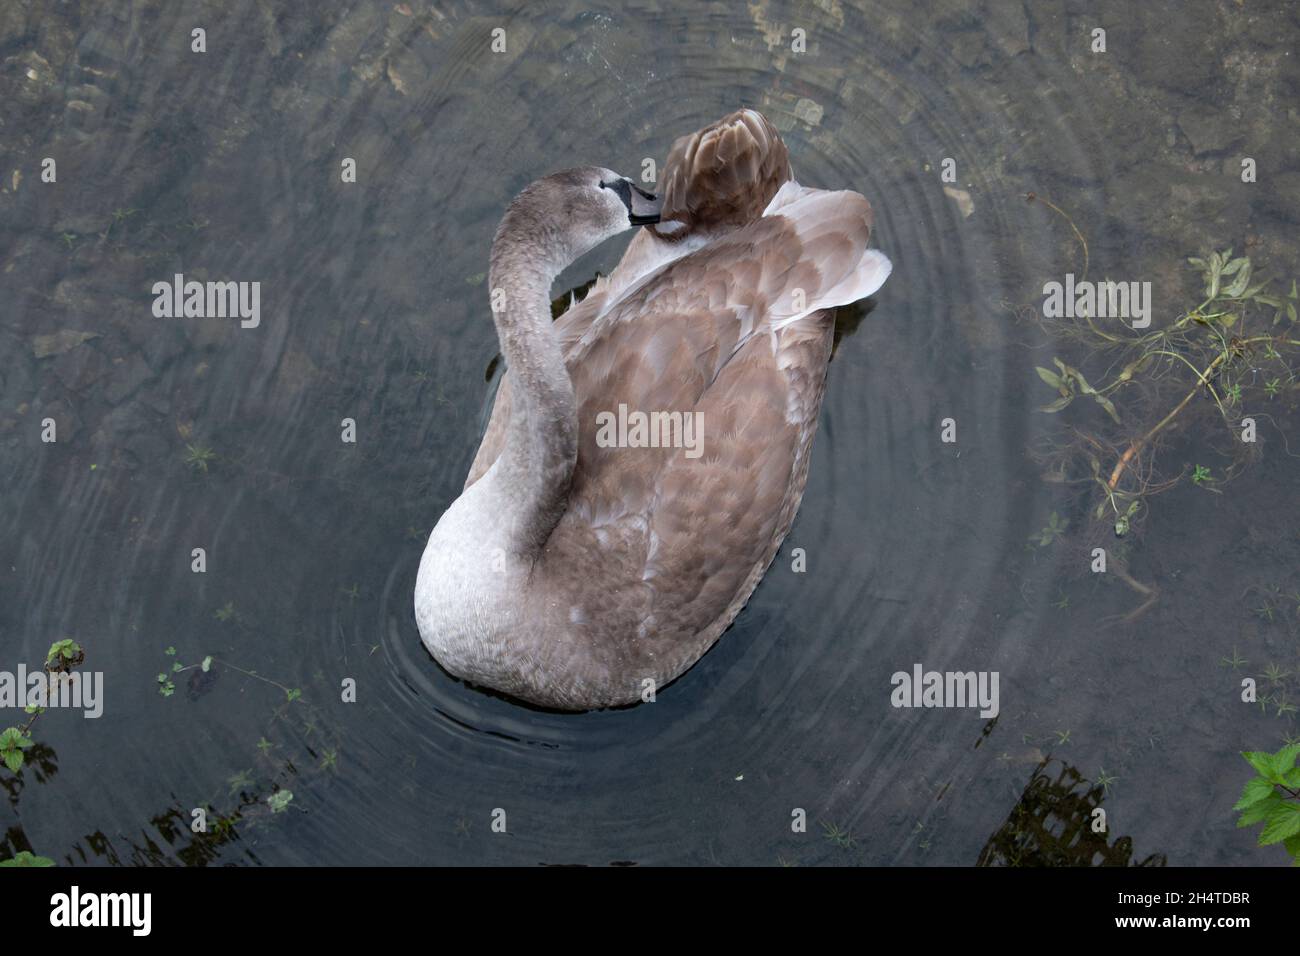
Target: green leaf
207 664
1262 762
1075 374
1053 407
1283 822
66 649
1292 844
1048 376
1105 403
1256 790
1238 285
279 801
1233 266
27 858
13 760
1282 761
1260 810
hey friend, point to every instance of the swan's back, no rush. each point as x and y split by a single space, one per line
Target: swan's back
714 181
658 551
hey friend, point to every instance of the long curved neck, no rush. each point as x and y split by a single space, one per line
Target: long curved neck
535 468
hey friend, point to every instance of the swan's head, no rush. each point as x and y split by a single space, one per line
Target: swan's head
721 177
570 212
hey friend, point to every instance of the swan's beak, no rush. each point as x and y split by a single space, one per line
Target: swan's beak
643 207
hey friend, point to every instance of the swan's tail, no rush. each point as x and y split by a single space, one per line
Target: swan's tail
834 266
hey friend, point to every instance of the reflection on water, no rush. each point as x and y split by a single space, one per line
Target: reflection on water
195 433
1059 822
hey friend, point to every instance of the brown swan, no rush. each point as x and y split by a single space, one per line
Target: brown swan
648 451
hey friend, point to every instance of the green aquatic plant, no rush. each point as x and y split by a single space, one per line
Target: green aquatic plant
13 741
1055 528
199 457
1238 347
840 837
1272 798
27 858
1274 674
64 655
1105 780
1235 662
61 658
1070 383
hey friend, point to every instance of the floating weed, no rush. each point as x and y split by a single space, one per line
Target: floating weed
1235 662
1105 780
1274 674
62 657
199 457
255 801
840 837
240 782
27 858
13 741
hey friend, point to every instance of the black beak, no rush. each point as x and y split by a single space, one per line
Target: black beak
643 207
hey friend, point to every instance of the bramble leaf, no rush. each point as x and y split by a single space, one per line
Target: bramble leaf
1283 822
1256 790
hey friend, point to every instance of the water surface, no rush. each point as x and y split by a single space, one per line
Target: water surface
175 434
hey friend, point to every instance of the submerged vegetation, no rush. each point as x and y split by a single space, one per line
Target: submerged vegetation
1238 348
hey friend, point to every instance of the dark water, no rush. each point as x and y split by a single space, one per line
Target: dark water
175 434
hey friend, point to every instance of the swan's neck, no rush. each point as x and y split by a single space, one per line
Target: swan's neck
535 468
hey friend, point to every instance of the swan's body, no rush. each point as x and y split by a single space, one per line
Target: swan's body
578 576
